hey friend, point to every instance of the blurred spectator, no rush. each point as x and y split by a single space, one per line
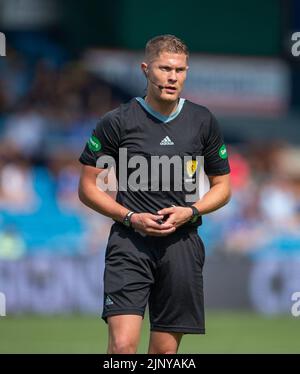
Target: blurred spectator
16 187
278 203
267 207
14 79
65 169
12 245
25 130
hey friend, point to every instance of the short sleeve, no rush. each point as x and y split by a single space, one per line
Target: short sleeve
104 140
215 153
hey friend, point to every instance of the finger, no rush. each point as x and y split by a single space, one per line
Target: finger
171 220
158 226
160 232
166 225
166 211
155 217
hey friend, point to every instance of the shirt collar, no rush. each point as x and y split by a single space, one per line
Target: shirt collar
159 116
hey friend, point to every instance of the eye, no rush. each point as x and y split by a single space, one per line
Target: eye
165 68
180 70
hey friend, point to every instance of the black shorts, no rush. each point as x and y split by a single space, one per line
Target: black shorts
165 272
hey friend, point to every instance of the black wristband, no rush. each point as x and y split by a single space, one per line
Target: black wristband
127 219
195 214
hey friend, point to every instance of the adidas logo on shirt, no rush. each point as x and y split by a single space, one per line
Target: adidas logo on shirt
166 141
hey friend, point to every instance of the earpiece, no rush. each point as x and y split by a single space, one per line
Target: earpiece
150 80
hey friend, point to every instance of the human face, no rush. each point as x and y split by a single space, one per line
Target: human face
166 76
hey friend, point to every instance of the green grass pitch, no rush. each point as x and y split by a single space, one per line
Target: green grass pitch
226 332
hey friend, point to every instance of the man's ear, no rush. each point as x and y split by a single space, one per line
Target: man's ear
144 67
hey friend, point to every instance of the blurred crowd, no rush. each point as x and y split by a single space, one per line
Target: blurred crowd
263 216
47 111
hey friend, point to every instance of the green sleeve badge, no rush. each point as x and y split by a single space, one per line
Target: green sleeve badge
94 144
223 152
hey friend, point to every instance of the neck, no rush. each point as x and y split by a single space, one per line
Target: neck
165 108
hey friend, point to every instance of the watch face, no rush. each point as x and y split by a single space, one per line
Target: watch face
194 218
127 220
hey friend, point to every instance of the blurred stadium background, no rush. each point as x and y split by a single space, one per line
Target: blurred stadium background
69 62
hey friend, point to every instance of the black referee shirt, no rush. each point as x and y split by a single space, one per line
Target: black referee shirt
191 131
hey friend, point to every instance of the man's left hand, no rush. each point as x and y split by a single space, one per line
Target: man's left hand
178 215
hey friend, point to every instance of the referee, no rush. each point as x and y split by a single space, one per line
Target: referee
154 255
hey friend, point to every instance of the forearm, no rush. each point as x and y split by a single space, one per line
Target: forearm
101 202
214 199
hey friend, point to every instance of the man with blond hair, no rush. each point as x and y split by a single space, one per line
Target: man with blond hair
154 254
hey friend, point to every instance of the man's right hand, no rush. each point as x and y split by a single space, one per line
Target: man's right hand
146 223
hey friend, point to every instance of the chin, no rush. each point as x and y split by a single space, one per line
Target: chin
169 98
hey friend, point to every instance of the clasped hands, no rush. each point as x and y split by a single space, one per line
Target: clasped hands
165 222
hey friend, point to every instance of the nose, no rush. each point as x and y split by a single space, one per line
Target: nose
172 76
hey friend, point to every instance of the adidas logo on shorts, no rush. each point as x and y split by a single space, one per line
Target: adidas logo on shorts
108 301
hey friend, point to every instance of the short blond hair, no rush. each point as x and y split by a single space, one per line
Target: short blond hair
164 43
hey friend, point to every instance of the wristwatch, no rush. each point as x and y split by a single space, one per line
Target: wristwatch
195 214
127 219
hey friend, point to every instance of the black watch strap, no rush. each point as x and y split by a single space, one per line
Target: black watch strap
195 214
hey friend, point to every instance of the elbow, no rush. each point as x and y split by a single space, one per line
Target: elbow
228 196
81 194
